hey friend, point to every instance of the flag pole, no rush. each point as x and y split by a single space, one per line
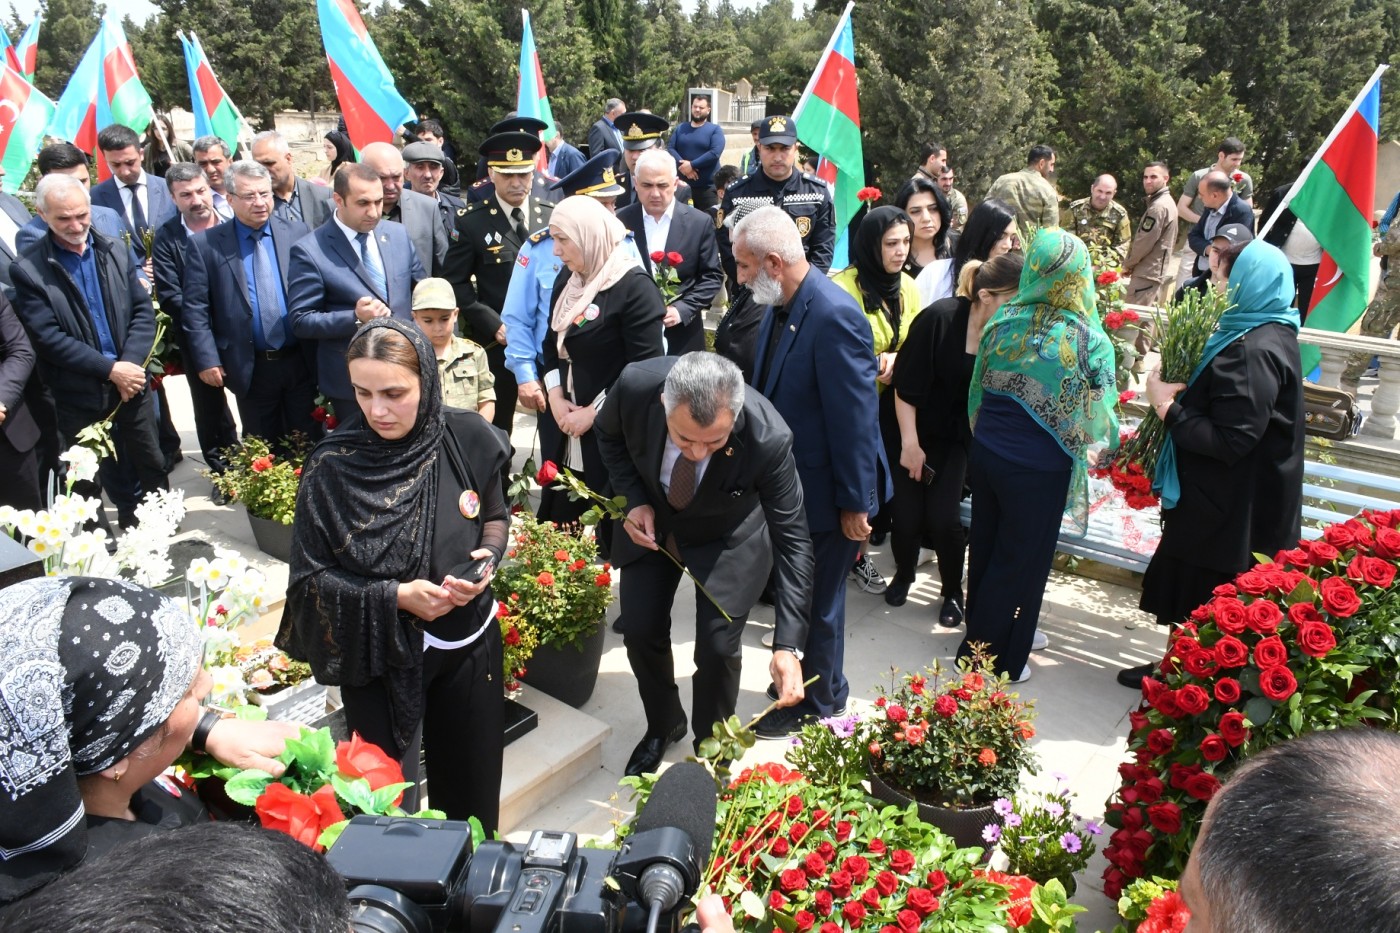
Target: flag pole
1317 156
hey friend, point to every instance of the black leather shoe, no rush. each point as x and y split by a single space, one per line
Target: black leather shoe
897 593
646 757
1132 677
951 615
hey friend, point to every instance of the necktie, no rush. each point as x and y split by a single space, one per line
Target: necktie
519 219
682 489
372 266
138 216
265 287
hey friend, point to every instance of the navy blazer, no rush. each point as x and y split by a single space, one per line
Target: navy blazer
160 206
326 279
822 381
1236 212
217 317
54 313
692 234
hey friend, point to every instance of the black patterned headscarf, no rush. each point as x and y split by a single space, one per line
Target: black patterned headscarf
364 523
89 669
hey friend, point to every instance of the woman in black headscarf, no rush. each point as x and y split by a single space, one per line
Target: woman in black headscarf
100 690
338 150
890 300
411 497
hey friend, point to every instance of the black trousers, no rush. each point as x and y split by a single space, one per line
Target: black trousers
165 425
463 729
647 590
280 399
507 392
1015 524
213 422
930 513
140 465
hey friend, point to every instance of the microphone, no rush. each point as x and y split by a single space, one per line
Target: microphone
664 859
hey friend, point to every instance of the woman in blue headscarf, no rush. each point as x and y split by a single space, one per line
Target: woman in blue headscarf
1231 471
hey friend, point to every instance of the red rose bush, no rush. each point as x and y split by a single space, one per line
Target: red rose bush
1304 642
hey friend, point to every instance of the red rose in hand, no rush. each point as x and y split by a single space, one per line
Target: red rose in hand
547 473
358 758
1214 748
1227 690
937 882
886 882
1237 177
1161 741
858 866
674 258
318 413
1232 728
1271 652
908 920
840 884
1264 617
822 901
1316 639
1202 786
922 901
902 861
1371 570
1277 683
657 255
1230 615
853 912
1231 652
303 818
1338 598
1165 816
792 879
1192 700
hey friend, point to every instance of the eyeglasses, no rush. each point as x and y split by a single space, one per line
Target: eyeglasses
253 197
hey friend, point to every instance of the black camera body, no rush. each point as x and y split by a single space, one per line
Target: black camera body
407 875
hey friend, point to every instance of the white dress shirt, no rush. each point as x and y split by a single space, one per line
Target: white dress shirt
142 193
352 236
658 229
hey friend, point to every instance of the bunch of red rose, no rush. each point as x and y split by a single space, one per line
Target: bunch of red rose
1130 476
792 855
1117 320
664 274
1301 643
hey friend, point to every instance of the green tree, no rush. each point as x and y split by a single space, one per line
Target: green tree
567 55
69 26
782 52
608 23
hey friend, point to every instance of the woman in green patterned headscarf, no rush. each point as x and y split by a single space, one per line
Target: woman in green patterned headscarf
1041 398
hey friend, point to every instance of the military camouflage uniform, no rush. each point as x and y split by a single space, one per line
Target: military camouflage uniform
1151 250
958 202
1108 227
1383 314
465 375
1035 200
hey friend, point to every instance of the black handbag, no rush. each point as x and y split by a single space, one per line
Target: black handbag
1330 412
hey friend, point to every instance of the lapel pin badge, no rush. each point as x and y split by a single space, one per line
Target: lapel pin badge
729 451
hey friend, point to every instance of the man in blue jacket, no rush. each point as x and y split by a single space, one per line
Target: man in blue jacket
816 364
697 147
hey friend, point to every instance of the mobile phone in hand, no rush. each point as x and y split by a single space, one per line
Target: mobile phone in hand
929 475
478 569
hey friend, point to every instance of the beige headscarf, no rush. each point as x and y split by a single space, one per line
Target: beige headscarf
598 235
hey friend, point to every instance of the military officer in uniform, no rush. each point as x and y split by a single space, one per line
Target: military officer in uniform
803 196
479 261
526 309
641 131
1100 220
482 188
1151 252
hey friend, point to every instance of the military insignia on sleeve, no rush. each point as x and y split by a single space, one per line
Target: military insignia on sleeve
1148 223
804 226
719 218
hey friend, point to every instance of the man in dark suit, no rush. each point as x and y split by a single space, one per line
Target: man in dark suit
189 189
816 364
661 225
297 199
708 473
417 212
27 456
489 235
13 216
68 159
1223 207
351 269
235 315
92 325
141 199
603 134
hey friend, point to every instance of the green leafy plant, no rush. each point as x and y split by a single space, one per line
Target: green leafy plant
265 482
519 640
550 580
1152 906
1041 836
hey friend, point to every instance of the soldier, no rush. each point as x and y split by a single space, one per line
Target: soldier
489 234
641 131
956 199
1383 314
1151 252
482 188
804 197
1098 219
1031 191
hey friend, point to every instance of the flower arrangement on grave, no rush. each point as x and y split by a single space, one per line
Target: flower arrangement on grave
1041 837
265 482
1152 906
1302 642
550 579
519 641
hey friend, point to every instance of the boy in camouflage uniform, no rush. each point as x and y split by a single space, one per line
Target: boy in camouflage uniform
465 374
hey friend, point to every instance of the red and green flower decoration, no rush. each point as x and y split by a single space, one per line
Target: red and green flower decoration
324 784
664 274
1304 642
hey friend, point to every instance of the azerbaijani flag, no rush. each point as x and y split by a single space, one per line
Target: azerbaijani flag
214 113
828 123
371 105
103 90
1335 196
24 55
531 98
24 114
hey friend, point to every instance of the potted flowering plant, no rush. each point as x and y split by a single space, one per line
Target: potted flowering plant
550 580
520 641
951 741
1041 837
1152 906
325 783
266 483
1300 643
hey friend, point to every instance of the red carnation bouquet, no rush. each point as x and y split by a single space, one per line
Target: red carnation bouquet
324 784
1300 643
664 274
1182 333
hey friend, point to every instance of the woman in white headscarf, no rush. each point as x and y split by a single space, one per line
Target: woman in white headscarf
605 315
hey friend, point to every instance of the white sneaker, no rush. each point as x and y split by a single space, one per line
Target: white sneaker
1039 642
868 577
1025 675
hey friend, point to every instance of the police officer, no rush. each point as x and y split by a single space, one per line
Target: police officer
1154 240
1100 220
804 197
482 188
641 131
527 304
480 259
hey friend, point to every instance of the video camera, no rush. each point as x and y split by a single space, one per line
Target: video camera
408 875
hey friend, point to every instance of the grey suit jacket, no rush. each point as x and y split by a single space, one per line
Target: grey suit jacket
316 203
420 217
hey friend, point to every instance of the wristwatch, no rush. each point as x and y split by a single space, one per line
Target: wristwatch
796 653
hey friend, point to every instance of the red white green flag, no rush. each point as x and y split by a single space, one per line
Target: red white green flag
214 112
104 89
1335 197
24 113
828 123
24 54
